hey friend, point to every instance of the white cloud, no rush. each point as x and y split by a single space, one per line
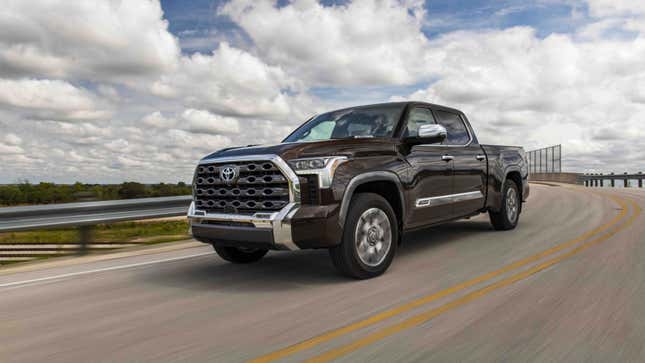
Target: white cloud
518 88
621 15
50 99
10 149
109 92
79 130
200 121
363 42
603 8
206 143
229 81
69 61
598 29
145 112
158 120
195 121
115 41
12 139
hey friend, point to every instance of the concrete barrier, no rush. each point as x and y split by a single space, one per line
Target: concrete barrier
568 178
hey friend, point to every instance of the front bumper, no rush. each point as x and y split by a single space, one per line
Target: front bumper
294 227
270 229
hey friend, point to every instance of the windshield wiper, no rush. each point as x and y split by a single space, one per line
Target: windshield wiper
354 137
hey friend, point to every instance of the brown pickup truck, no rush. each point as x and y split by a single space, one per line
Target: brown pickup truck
353 181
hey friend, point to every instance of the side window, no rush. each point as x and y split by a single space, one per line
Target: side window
418 116
457 132
359 129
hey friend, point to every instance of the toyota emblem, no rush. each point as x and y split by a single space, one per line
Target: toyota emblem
229 174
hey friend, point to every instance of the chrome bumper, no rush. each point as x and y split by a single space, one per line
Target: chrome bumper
279 222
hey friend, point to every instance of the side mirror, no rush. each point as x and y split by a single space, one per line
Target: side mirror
429 134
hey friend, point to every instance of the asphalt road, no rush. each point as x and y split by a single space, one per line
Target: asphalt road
567 285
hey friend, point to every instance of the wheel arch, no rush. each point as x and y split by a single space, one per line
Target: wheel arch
497 182
382 183
515 175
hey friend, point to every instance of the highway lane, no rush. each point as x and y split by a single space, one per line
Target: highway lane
188 305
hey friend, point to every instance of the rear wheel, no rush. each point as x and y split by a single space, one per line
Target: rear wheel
509 214
369 238
240 255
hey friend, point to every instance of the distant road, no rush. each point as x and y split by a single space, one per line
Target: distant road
567 285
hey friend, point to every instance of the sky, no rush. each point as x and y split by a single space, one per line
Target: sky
139 90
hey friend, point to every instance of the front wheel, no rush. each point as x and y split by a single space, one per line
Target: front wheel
369 240
509 214
240 255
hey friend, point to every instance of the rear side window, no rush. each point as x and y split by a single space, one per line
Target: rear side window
457 132
418 116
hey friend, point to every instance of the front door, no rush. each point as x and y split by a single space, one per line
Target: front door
431 175
469 165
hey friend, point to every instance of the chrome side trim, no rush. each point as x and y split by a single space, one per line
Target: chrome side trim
448 199
279 222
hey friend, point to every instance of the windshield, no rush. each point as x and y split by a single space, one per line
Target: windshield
360 122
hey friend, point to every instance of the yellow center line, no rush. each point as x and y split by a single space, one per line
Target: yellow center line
428 315
332 334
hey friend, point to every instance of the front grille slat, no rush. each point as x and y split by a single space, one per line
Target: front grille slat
260 186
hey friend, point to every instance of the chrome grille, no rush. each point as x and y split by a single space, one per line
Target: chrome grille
259 187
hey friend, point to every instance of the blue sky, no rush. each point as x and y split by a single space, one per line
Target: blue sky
141 89
200 29
197 19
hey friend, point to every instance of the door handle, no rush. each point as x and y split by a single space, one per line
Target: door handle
447 158
480 157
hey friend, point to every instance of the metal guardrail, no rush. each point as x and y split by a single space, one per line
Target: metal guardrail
86 214
14 219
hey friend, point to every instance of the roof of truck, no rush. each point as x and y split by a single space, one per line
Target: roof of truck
408 103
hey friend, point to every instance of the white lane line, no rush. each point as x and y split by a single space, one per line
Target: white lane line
71 274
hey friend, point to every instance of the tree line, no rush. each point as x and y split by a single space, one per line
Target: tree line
25 193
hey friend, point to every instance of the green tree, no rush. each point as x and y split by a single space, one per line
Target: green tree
131 190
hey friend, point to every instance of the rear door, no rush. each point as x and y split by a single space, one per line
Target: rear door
469 164
431 175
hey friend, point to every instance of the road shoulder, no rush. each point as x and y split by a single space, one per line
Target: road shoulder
79 260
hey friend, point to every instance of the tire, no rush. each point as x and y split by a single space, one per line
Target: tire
238 255
509 214
374 255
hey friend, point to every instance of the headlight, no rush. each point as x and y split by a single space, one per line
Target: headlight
324 167
306 164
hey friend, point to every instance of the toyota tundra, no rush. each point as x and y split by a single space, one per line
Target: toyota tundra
353 181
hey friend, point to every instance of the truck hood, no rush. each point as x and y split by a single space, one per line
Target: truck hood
296 150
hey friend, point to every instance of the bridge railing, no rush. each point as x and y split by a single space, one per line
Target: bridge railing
598 179
85 215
